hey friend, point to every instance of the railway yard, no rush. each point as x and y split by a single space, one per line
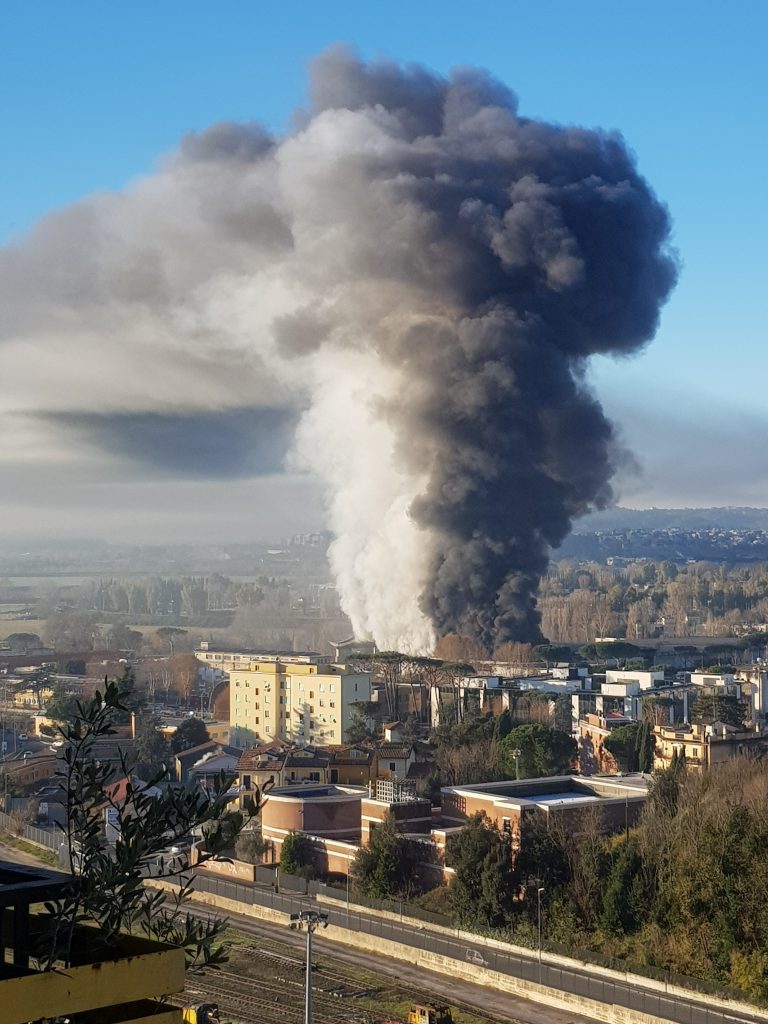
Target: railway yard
263 983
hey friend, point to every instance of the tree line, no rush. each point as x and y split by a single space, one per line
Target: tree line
638 600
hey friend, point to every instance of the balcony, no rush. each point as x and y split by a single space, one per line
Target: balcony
125 986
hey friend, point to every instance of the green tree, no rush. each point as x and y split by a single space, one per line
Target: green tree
190 733
552 653
297 855
485 883
383 869
542 860
357 730
62 707
543 751
503 725
719 707
645 748
625 899
23 641
171 634
151 748
622 744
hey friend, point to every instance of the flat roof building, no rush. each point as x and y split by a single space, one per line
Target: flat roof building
511 805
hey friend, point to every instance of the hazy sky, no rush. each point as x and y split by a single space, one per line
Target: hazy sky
93 96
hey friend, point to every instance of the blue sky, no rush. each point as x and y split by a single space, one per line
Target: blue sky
92 94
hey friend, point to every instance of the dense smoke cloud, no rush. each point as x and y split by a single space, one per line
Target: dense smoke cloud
416 275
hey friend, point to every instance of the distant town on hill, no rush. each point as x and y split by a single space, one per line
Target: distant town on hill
724 518
676 535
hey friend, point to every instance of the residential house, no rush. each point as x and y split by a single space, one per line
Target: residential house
188 759
394 760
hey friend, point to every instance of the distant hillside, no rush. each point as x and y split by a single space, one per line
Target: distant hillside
673 519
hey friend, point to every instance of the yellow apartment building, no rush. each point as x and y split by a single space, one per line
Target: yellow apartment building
705 746
301 697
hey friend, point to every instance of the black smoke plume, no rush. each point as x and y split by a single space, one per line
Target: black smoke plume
404 291
542 245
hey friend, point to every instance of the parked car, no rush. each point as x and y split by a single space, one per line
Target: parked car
474 956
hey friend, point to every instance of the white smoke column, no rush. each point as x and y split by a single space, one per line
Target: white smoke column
380 558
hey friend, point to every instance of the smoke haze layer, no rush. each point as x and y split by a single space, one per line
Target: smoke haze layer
402 294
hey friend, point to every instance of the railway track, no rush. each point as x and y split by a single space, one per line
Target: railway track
257 1001
280 1000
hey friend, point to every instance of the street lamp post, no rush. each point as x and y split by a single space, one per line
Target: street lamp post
310 920
517 754
540 894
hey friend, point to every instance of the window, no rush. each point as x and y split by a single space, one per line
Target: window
266 714
322 703
332 704
311 694
392 766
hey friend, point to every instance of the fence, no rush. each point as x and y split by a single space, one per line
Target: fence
50 838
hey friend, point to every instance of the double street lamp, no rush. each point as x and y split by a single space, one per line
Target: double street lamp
310 920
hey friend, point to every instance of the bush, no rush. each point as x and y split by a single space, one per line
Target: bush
249 847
